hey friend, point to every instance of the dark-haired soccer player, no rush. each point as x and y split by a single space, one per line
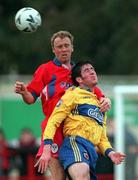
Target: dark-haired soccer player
84 128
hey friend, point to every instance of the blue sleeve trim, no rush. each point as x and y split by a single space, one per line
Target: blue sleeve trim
48 141
108 151
34 95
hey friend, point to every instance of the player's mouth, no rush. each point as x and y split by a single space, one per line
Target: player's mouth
64 55
93 77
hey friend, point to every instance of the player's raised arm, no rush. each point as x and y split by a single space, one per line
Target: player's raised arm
61 111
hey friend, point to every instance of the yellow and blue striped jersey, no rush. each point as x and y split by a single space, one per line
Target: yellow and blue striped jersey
79 109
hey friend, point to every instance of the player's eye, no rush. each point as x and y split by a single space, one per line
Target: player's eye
59 47
92 68
66 45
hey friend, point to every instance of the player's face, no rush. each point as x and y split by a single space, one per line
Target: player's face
63 49
88 75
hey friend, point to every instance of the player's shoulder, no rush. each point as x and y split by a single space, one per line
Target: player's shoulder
44 66
71 90
70 94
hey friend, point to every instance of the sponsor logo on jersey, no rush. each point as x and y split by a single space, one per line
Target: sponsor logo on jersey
96 114
86 97
65 85
91 111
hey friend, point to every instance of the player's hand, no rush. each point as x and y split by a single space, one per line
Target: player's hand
105 104
44 160
20 87
117 157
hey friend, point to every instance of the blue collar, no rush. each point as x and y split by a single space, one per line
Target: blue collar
86 88
58 63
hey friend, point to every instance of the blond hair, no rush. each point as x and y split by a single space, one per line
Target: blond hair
61 34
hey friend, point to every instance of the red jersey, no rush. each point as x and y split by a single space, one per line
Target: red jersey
50 82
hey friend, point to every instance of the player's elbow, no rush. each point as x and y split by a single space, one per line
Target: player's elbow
29 101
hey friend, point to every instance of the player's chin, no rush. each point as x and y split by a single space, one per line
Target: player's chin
95 83
64 60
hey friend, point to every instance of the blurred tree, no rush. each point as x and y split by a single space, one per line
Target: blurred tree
104 30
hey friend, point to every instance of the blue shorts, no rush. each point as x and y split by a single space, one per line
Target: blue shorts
77 149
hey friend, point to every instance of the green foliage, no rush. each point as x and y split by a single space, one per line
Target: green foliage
105 31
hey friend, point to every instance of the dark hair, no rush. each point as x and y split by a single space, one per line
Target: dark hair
76 70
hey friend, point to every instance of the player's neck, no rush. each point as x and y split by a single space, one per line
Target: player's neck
67 65
82 86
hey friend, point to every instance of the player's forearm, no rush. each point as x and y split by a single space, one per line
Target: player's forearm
28 98
105 146
49 131
56 118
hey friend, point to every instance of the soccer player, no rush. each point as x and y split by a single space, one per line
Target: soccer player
84 128
50 81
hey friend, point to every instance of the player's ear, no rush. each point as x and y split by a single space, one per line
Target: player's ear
79 80
72 48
